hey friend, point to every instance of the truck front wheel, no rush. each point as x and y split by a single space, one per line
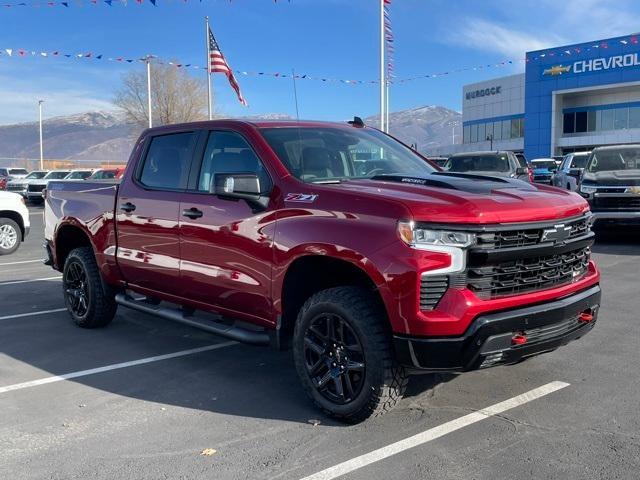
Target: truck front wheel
89 305
343 355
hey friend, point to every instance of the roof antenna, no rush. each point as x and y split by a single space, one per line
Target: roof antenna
356 122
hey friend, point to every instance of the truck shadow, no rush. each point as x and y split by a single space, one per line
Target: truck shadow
236 380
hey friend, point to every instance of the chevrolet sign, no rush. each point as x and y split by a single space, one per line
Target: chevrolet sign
595 64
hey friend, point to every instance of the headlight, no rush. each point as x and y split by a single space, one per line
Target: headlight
448 242
588 189
444 238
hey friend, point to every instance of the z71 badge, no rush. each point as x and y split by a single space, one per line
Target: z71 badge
301 197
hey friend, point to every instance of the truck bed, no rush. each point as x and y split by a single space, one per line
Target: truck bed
91 206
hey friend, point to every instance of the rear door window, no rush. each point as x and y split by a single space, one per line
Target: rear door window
168 160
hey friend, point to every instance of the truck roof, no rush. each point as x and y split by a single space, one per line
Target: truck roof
255 123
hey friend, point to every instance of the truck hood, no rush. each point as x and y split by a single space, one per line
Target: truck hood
613 177
461 198
21 181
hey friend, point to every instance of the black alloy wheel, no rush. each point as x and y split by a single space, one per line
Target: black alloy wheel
90 301
343 353
76 289
334 358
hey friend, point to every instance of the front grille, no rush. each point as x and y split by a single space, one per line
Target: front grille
528 274
617 203
507 238
36 188
15 188
432 288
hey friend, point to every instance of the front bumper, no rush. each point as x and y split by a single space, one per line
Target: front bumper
489 339
614 215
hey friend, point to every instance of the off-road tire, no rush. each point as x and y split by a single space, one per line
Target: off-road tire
11 224
384 380
101 305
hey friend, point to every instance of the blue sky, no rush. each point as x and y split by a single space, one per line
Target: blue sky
332 38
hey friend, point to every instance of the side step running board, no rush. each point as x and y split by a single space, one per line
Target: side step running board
233 332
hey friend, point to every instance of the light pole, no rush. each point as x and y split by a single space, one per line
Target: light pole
453 126
490 138
40 102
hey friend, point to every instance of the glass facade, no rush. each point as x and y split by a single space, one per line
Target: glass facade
600 119
501 130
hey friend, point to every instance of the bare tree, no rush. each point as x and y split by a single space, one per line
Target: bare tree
176 96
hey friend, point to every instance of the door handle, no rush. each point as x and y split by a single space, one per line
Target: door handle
127 207
192 213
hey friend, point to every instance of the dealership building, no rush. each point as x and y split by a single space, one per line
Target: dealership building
570 98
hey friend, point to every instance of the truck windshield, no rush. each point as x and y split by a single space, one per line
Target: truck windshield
614 159
79 175
56 175
329 154
542 164
35 175
478 163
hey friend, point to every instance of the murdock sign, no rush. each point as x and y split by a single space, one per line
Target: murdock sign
595 64
484 92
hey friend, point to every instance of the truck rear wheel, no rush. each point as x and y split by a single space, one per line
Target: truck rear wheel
344 357
89 305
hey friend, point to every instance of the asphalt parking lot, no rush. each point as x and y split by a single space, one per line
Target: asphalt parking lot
144 398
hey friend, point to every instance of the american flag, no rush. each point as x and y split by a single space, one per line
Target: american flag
218 64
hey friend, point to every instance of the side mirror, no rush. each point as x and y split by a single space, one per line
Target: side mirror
576 172
522 171
241 186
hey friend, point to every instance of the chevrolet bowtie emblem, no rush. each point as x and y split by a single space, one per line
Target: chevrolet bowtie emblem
557 70
558 234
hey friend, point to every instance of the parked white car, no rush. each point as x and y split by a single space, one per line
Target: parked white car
14 222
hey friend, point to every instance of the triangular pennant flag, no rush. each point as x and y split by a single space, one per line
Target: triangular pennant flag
9 51
153 2
99 57
66 4
108 2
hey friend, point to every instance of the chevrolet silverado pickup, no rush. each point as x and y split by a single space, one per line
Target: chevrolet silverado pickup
335 240
611 184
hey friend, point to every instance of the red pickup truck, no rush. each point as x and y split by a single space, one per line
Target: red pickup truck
334 239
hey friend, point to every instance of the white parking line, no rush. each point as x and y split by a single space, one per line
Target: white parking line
434 433
23 261
41 312
16 282
115 366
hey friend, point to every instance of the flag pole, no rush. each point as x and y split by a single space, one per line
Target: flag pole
386 120
382 75
206 36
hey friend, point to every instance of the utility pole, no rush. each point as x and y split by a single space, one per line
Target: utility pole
148 60
382 70
40 102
